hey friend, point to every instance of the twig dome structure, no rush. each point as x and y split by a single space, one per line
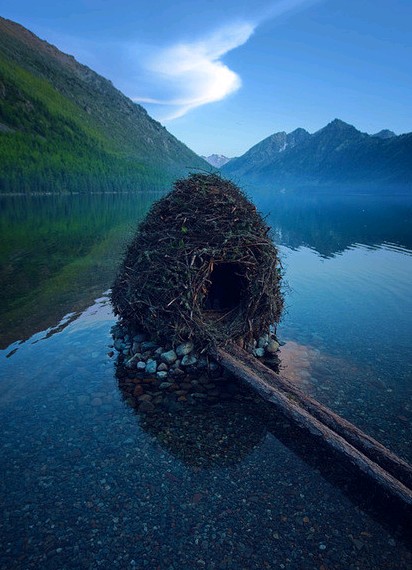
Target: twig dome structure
201 267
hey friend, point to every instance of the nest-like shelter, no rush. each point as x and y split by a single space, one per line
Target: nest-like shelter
201 267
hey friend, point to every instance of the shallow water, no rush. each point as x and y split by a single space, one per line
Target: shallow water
88 483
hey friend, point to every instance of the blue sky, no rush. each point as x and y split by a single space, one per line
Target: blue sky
221 75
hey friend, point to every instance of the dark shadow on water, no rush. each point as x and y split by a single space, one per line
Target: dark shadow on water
363 493
206 436
222 434
202 420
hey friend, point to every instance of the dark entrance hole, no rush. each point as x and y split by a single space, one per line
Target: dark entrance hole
227 285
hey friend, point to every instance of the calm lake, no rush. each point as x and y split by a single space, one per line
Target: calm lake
85 482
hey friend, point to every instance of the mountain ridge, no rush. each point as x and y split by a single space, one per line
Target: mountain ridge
64 127
335 155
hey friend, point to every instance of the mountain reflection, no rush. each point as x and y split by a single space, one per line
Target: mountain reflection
332 224
59 252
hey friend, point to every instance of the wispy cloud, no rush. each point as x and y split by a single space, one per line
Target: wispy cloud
193 73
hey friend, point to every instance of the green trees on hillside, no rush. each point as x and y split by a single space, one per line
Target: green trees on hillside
49 144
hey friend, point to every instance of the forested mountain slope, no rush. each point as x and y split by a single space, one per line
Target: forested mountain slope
63 127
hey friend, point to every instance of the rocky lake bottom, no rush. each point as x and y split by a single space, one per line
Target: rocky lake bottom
88 482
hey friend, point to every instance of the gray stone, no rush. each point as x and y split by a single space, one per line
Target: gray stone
147 345
259 352
131 362
272 346
118 344
164 385
202 363
189 360
184 348
146 407
162 367
141 365
145 398
151 366
263 340
169 357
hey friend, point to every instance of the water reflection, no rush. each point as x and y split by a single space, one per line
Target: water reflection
330 225
58 253
201 419
206 436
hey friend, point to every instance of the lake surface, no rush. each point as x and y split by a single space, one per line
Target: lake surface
86 482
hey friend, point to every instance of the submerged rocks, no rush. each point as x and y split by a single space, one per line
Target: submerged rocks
189 360
184 348
162 376
146 407
173 376
147 345
151 367
169 357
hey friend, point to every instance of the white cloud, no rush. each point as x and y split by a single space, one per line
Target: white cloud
194 71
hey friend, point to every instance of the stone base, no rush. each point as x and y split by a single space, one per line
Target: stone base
151 375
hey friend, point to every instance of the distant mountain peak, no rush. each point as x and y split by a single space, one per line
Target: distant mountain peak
384 134
339 125
296 137
299 131
216 160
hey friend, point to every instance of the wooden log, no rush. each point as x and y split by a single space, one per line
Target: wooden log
304 419
369 446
